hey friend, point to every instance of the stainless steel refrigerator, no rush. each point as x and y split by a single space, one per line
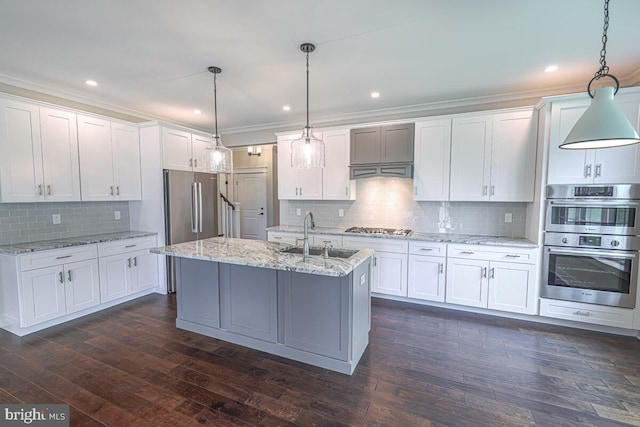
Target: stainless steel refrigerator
191 211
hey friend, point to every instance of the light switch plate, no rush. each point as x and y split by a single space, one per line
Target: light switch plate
298 211
340 213
55 218
508 218
116 214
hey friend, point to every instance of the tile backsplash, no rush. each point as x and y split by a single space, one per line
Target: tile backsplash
388 202
30 222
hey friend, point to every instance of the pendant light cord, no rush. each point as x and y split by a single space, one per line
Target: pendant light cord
307 127
215 107
604 69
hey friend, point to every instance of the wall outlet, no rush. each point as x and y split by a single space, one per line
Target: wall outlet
55 218
340 213
116 214
508 217
298 212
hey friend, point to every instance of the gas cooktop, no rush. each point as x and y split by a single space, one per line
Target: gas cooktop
375 230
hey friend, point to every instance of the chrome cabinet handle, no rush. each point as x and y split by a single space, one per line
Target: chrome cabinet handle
117 190
131 246
582 313
301 191
61 277
129 262
39 189
195 162
194 207
48 190
587 171
190 162
466 253
112 190
440 268
484 272
427 249
512 256
493 190
63 256
375 261
69 275
492 273
598 169
296 191
484 190
135 261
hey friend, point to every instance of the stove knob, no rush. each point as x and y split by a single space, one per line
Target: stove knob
565 240
615 243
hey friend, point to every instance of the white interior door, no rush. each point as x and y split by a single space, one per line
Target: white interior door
251 193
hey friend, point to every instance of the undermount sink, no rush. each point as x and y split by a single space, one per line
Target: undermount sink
333 253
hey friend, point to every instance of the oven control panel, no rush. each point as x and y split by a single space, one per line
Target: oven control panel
595 241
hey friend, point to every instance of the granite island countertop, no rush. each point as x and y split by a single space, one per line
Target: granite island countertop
467 239
259 253
44 245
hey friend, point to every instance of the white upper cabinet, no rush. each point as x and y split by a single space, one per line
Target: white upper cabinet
109 160
603 166
336 184
294 183
493 157
183 150
432 158
39 148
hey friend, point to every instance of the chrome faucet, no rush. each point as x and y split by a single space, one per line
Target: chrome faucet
305 247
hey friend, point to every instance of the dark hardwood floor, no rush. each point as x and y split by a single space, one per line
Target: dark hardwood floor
129 365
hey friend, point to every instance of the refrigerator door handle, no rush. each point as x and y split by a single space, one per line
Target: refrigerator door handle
200 207
194 207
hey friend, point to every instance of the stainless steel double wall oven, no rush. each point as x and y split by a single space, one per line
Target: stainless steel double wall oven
591 244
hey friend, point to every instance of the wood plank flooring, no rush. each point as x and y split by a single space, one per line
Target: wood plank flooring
129 365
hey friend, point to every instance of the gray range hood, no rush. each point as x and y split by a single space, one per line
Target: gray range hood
382 151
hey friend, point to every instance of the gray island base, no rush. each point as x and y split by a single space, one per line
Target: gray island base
249 293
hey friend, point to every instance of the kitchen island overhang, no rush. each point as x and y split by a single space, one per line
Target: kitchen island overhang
248 292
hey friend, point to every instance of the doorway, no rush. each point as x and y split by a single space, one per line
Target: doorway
251 193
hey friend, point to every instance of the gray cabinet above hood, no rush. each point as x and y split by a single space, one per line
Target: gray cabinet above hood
382 151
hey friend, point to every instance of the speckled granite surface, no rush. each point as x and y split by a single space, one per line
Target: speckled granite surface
466 239
258 253
22 248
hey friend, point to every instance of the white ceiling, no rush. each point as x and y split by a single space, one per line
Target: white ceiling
150 56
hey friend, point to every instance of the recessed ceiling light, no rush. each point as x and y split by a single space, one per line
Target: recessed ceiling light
286 108
551 69
91 83
197 112
375 94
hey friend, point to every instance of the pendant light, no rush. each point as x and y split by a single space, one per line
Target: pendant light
603 124
308 150
217 158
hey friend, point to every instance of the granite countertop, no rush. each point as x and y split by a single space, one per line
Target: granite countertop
44 245
467 239
258 253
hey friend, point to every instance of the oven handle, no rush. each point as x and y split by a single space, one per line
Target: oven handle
580 251
588 203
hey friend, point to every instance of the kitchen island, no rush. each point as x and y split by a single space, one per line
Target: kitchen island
251 293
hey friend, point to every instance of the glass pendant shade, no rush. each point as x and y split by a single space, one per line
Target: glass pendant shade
603 125
307 151
217 158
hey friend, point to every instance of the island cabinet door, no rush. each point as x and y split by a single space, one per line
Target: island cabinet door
198 292
249 301
316 313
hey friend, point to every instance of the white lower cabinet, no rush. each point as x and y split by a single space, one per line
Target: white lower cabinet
48 293
497 278
43 288
126 267
427 266
283 237
390 263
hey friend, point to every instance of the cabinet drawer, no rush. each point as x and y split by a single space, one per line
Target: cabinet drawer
382 244
126 245
330 239
284 237
588 313
57 257
493 253
428 248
